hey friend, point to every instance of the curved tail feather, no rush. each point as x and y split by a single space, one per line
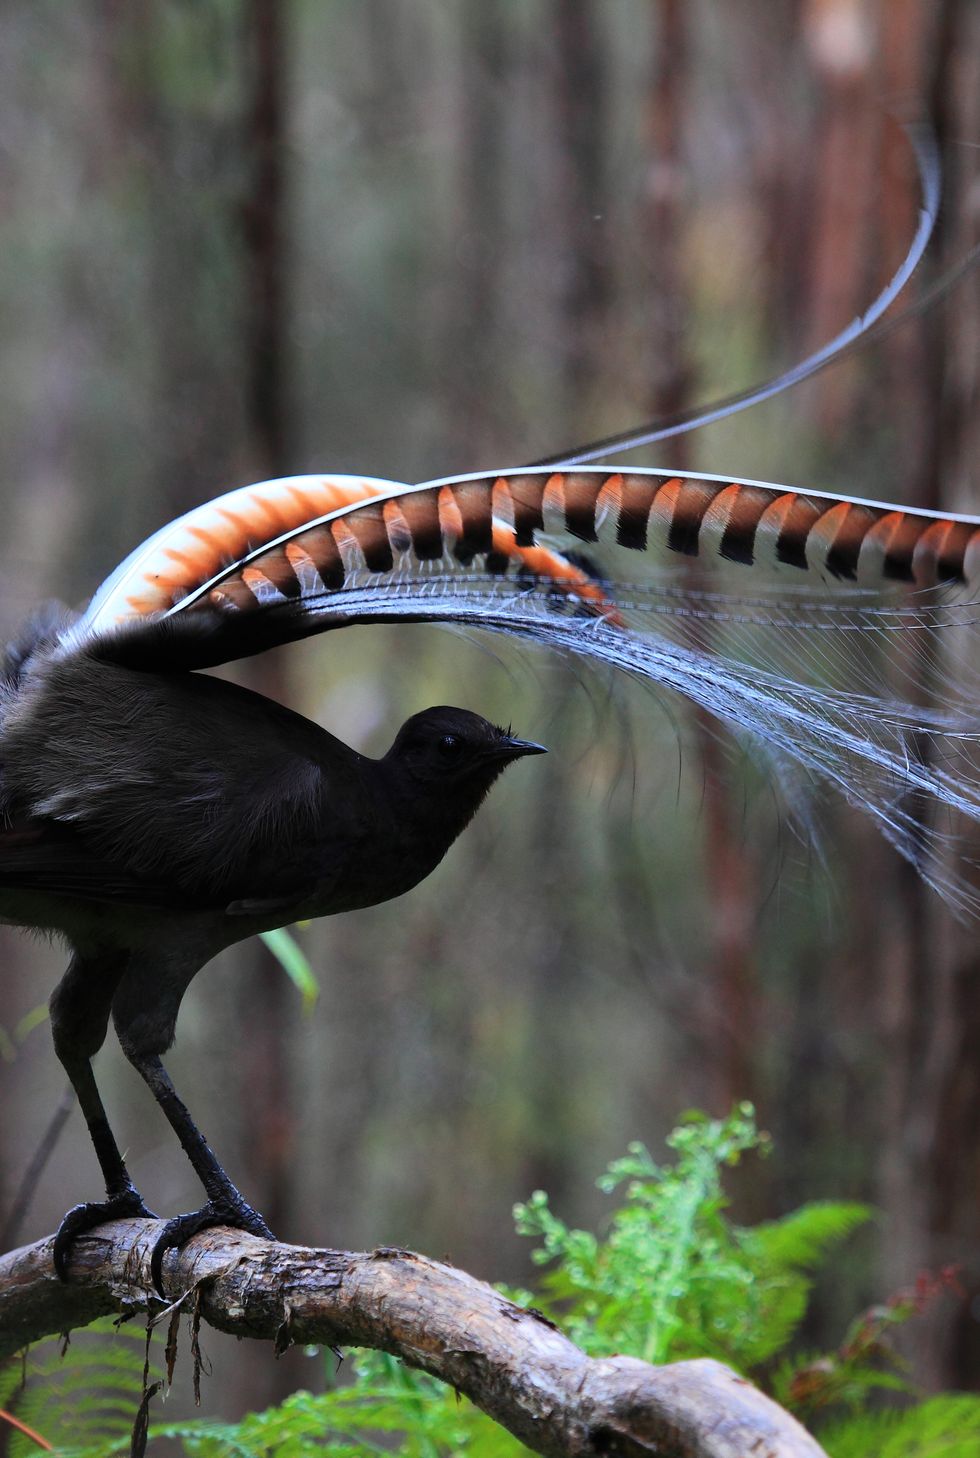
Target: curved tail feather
861 331
299 541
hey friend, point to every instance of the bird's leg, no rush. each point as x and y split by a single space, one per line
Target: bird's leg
225 1204
144 1010
79 1017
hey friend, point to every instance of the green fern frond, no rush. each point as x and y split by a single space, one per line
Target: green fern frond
388 1401
801 1240
86 1399
675 1278
942 1427
777 1306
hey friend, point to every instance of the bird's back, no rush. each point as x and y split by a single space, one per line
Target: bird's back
184 783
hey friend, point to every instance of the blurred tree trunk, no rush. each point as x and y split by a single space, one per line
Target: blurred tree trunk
167 136
580 131
574 99
264 233
479 238
266 1003
840 43
913 962
828 1084
669 388
930 1166
727 1047
921 1140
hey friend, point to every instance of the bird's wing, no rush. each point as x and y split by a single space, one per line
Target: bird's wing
840 633
82 808
69 862
52 860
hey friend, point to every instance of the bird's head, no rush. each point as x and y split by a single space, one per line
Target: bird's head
454 755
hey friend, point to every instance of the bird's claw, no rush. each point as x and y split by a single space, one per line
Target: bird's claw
221 1211
80 1219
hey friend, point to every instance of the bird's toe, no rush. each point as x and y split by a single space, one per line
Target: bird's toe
80 1219
178 1231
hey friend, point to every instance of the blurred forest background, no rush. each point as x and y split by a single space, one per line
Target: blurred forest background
242 238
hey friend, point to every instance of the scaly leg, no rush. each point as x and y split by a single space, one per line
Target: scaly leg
144 1010
79 1017
225 1205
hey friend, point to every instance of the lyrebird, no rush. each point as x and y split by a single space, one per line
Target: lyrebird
153 816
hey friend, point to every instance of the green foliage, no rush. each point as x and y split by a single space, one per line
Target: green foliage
388 1401
81 1395
295 963
942 1427
11 1041
673 1277
863 1361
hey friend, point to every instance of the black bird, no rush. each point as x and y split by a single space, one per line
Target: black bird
153 815
154 818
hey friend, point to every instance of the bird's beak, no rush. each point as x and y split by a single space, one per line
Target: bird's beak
510 747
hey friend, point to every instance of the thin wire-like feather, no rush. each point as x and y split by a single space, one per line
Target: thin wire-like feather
824 628
857 335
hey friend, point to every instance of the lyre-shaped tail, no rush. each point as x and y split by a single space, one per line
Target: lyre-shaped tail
839 633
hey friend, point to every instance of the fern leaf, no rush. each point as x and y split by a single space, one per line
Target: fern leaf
942 1427
799 1241
86 1399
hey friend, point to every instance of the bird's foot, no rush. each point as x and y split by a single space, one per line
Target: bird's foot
228 1209
126 1205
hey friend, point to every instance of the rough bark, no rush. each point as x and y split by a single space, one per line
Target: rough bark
511 1362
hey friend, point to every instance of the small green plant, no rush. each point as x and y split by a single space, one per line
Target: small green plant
672 1277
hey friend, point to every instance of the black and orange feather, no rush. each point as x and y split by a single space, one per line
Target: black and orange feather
819 625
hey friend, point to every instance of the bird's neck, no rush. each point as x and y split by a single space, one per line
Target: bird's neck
428 819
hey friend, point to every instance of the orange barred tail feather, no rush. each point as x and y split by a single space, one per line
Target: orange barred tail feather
305 538
301 538
204 543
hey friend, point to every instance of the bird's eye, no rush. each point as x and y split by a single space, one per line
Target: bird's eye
450 746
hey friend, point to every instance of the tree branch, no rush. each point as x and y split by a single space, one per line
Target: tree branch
512 1363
